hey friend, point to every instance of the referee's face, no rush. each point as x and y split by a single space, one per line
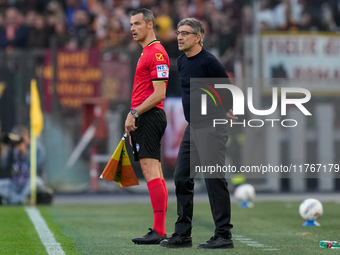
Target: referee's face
139 28
186 38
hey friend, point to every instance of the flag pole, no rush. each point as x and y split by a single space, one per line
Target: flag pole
36 127
33 167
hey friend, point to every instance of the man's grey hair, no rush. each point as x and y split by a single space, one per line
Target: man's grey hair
196 26
147 15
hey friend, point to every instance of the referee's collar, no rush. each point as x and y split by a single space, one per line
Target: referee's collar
154 41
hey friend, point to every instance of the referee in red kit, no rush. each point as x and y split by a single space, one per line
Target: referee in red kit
146 122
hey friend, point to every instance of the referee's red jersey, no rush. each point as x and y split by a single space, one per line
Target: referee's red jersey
153 65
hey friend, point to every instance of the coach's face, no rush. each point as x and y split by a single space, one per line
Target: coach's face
139 28
186 38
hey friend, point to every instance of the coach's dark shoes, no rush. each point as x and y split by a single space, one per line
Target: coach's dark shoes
217 242
150 238
176 241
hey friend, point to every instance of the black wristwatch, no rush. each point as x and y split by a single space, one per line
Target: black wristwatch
134 113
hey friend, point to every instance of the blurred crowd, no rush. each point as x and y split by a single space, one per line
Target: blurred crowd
75 24
301 15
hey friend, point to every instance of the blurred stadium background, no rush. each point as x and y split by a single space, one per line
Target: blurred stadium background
83 57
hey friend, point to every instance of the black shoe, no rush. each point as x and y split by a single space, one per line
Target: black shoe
176 241
217 242
150 238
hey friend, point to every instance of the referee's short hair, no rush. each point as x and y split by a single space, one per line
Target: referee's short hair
196 26
147 15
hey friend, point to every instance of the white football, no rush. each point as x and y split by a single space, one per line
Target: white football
245 192
310 209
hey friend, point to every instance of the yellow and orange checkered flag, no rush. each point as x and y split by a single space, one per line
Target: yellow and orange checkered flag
119 168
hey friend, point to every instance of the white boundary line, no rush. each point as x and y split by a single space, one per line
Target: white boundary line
253 243
45 234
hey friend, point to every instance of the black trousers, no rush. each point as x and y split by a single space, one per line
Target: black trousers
206 146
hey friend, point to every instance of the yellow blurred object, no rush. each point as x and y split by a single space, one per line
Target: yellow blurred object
165 25
37 121
238 179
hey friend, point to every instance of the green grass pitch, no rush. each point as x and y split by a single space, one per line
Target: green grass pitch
268 228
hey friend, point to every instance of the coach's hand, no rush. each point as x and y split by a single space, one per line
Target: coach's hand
130 123
231 116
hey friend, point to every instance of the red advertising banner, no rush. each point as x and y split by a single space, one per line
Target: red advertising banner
78 77
116 78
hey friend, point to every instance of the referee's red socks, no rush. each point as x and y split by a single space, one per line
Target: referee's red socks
166 194
158 201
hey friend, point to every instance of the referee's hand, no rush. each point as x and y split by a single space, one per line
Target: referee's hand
130 123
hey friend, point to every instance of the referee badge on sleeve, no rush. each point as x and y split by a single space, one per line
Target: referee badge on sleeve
162 71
